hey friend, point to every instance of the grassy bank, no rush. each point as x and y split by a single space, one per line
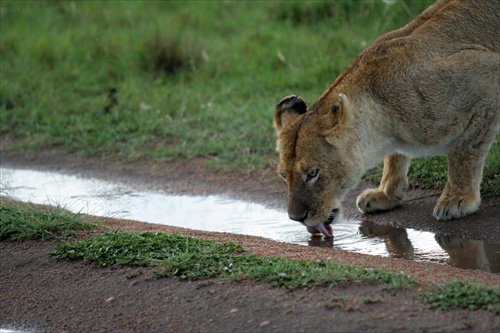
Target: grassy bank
193 259
171 80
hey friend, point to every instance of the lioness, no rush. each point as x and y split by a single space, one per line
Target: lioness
431 87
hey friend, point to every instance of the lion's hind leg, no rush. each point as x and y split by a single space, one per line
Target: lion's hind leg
479 77
466 156
390 192
461 194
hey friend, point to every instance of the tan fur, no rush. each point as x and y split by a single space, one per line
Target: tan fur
428 88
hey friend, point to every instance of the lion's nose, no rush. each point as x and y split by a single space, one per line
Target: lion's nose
297 208
299 216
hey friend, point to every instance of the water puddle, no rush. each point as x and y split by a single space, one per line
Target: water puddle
7 330
223 214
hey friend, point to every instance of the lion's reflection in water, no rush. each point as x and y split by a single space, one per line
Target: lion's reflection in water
463 253
395 238
471 253
412 244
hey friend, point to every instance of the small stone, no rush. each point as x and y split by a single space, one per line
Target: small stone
349 308
110 299
265 323
234 310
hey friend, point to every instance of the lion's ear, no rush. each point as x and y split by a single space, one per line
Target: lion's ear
338 106
339 115
287 110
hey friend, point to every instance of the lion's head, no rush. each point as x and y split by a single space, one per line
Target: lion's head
316 162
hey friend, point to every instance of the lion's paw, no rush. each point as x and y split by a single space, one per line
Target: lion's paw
451 207
373 200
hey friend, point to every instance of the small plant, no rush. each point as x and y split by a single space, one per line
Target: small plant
463 295
342 300
20 222
370 300
169 55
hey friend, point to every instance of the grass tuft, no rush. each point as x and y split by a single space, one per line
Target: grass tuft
170 54
464 295
20 222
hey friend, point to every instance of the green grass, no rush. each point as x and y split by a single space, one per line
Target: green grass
177 80
20 222
464 295
190 258
140 249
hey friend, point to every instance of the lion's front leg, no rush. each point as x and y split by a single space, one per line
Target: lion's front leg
390 192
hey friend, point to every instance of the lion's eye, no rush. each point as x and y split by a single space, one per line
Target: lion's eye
312 174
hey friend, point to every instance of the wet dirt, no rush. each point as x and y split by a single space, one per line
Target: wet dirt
40 293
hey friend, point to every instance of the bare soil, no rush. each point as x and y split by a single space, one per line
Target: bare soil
40 293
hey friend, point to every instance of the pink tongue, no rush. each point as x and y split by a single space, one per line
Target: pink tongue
326 230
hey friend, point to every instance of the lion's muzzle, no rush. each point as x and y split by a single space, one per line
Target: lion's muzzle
300 215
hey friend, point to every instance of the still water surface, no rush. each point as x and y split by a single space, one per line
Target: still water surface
223 214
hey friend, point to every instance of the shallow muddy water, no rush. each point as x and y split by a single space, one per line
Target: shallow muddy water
223 214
